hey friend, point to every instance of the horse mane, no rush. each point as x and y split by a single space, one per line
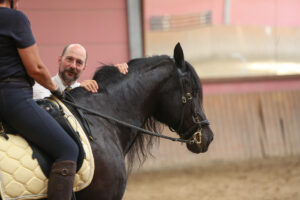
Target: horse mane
141 148
107 74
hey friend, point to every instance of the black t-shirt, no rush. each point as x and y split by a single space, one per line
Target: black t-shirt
15 32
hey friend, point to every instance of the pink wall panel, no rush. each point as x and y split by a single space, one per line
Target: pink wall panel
55 27
252 12
242 12
179 7
99 25
72 4
289 12
267 12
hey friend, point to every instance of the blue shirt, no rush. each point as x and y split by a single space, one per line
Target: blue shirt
15 32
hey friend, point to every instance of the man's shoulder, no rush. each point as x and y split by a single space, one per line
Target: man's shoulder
75 85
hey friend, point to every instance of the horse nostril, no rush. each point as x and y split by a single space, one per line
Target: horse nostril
196 119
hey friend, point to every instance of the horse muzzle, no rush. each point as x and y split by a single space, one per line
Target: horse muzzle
200 141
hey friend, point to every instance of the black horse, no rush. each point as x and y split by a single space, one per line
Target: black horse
156 89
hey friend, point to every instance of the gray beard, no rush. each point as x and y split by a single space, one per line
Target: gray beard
66 79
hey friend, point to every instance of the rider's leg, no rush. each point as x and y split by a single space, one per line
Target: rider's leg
36 125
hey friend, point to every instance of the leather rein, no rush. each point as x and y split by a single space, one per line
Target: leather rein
125 123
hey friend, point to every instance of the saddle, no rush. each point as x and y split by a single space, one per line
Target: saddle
27 179
58 114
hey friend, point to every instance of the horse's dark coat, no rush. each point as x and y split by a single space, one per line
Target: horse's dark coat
150 92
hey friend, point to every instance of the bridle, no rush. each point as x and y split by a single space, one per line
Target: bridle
194 132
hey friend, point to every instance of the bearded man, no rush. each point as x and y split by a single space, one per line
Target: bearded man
72 63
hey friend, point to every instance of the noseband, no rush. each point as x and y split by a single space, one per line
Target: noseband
194 132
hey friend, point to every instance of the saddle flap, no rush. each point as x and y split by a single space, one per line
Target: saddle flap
21 176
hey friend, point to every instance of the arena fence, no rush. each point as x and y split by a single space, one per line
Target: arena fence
246 126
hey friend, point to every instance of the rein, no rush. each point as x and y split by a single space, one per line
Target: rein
127 124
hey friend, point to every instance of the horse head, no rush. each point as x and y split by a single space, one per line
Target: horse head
180 105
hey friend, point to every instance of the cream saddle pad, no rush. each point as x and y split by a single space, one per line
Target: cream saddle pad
21 176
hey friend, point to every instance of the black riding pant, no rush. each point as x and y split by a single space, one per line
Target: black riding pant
20 111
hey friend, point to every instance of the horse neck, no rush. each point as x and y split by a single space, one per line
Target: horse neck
134 100
131 100
138 93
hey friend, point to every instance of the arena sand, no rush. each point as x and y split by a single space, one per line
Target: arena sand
268 179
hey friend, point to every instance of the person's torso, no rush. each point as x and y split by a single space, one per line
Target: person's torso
15 32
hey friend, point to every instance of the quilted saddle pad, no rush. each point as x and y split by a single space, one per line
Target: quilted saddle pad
21 176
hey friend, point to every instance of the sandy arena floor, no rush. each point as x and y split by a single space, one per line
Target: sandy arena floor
275 179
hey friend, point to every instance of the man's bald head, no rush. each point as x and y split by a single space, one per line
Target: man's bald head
74 45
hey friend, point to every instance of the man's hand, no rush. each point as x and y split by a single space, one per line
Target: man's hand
90 85
57 93
123 68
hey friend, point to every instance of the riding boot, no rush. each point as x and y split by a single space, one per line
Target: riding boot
61 180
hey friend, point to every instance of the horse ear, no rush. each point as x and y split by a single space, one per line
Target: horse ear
179 57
